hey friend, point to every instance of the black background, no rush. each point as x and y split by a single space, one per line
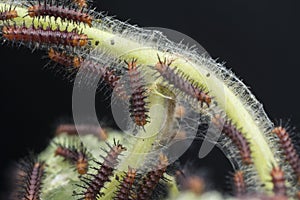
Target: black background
258 39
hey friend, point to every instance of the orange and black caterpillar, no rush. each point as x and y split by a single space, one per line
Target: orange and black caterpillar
8 14
39 35
138 110
81 3
289 150
239 184
297 196
151 179
29 178
192 183
182 82
278 181
76 155
236 136
112 79
93 185
125 188
46 9
65 59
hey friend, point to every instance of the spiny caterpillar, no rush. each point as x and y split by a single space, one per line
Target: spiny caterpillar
94 184
111 78
151 179
46 9
81 3
65 59
180 111
239 183
40 35
298 195
138 110
289 150
8 14
192 183
181 81
30 179
125 188
236 136
76 154
278 180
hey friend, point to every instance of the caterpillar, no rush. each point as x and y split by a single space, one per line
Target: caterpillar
30 179
76 155
111 78
65 59
94 184
47 9
239 184
193 184
81 3
138 110
185 84
71 129
289 150
151 179
40 35
278 181
297 195
125 188
180 111
236 136
8 14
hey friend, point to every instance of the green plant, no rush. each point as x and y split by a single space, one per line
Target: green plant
109 42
